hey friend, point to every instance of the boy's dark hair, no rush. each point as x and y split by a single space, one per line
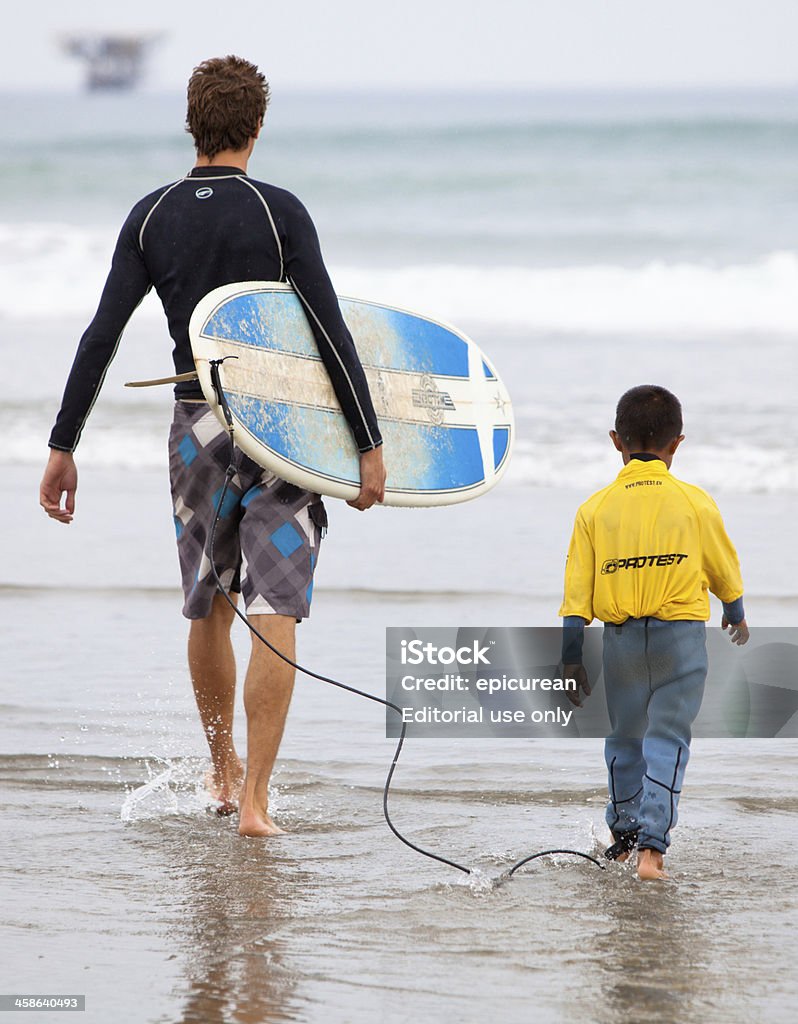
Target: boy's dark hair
647 417
227 100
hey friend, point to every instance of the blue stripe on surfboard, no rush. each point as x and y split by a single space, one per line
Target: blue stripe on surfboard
433 458
397 340
273 320
501 442
425 345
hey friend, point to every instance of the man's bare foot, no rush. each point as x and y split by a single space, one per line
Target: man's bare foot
224 786
257 824
650 865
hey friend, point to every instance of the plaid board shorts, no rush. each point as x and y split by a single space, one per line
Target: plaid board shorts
269 533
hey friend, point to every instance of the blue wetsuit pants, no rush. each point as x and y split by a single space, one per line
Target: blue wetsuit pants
654 675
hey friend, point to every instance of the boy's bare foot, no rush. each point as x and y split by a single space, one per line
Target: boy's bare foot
257 824
224 786
650 865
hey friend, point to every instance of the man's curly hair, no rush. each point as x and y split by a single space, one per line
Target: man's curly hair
227 100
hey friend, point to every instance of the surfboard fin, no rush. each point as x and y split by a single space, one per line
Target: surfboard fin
191 375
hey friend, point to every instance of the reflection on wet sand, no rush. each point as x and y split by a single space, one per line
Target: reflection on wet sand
236 895
652 961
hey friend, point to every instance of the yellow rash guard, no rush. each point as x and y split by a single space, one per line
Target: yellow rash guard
649 544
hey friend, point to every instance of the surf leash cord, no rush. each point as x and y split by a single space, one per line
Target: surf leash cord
229 474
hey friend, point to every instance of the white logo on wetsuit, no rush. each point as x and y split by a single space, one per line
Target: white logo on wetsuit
204 193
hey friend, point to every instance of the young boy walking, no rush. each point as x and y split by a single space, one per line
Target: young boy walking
644 553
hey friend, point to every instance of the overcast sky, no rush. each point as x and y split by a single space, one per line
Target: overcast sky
458 44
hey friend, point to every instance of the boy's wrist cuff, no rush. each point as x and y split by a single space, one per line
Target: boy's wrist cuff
733 611
573 636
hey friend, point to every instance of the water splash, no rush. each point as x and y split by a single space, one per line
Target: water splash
174 787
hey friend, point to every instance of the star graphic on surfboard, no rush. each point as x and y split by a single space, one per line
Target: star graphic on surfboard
501 403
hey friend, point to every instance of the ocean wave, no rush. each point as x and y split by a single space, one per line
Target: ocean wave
736 468
725 467
51 271
657 297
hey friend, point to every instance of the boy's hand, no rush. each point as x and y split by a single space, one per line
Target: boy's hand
738 631
578 673
60 477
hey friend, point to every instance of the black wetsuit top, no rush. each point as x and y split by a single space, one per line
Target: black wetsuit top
211 228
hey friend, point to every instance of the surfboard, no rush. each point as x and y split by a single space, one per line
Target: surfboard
444 413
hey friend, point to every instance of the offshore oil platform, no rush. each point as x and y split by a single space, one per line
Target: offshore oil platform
113 62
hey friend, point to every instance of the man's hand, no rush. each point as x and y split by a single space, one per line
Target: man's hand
372 480
738 631
578 673
60 477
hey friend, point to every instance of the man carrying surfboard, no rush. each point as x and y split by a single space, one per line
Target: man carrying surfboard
212 227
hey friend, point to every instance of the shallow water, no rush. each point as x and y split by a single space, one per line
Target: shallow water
174 917
120 882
